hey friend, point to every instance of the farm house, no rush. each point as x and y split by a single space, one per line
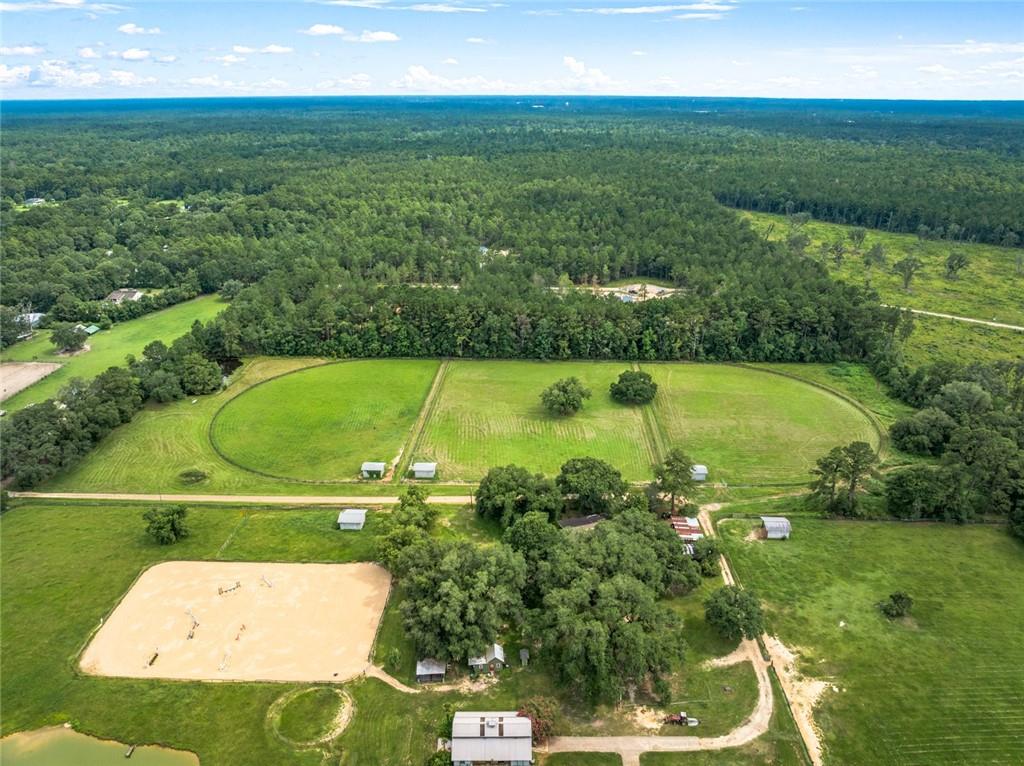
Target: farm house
352 519
429 670
699 472
492 659
372 470
424 470
776 527
498 738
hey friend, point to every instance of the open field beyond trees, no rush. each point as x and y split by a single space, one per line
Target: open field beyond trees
107 348
940 687
749 426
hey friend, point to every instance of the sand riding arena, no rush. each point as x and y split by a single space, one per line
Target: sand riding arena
223 621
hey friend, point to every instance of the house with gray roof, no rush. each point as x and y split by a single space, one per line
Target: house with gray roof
430 670
504 738
492 659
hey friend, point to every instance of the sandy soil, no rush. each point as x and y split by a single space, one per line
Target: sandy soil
17 376
803 694
315 622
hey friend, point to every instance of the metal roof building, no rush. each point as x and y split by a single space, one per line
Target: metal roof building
776 527
494 653
372 469
352 518
429 670
491 737
424 470
699 472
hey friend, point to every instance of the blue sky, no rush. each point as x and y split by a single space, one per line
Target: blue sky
803 48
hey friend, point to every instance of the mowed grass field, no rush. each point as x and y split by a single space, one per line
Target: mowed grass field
752 427
488 414
107 348
322 423
944 687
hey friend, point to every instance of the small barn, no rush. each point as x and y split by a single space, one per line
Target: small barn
372 470
424 470
123 294
492 659
430 671
687 528
699 472
504 738
776 527
352 518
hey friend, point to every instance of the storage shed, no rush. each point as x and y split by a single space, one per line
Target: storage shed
373 470
424 470
430 671
776 527
504 738
492 659
352 518
699 472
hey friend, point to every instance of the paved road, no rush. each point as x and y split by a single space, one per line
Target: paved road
261 499
1000 325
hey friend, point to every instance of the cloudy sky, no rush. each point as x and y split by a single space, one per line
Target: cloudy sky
804 48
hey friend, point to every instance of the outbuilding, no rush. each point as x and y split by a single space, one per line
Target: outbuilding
372 470
424 470
699 472
776 527
352 518
430 670
492 659
504 738
123 294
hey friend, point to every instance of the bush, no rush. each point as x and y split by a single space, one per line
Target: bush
564 397
898 605
634 387
167 525
192 476
542 712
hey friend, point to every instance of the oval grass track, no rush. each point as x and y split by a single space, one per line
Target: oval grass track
321 423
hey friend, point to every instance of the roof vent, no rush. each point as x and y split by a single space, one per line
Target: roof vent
492 723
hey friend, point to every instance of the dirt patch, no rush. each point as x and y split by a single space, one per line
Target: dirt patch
77 352
224 621
803 693
757 535
648 719
735 657
17 376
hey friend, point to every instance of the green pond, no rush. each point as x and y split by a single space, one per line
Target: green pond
57 746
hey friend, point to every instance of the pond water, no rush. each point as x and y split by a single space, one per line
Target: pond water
57 746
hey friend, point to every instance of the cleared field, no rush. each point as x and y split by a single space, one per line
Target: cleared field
489 413
106 348
321 423
750 427
219 621
17 376
942 687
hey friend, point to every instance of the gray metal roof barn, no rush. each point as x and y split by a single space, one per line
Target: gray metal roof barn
776 527
501 737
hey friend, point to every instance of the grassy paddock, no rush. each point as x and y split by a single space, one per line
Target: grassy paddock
942 687
107 348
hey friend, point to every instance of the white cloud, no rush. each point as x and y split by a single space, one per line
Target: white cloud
360 81
242 49
62 5
630 10
21 50
638 53
419 78
976 48
450 61
940 69
55 73
134 29
543 12
273 48
168 59
9 75
477 40
376 4
319 30
228 59
88 53
367 36
443 8
583 76
216 82
790 82
699 16
127 79
133 54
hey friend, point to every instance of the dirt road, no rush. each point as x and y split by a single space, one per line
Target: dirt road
260 499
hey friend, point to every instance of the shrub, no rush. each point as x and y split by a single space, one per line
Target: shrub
898 605
167 525
192 476
542 712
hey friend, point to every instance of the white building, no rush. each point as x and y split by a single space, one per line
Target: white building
776 527
491 738
373 470
699 472
125 294
352 518
424 470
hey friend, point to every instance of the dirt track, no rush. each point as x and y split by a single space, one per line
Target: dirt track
971 320
17 376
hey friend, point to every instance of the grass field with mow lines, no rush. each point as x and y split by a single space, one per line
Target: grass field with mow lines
751 427
323 422
942 687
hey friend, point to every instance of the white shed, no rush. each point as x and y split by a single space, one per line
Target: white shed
373 470
776 527
424 470
493 738
699 472
352 518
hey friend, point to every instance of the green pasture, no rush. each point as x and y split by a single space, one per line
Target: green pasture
66 565
107 348
989 288
936 339
322 423
750 427
489 413
942 687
